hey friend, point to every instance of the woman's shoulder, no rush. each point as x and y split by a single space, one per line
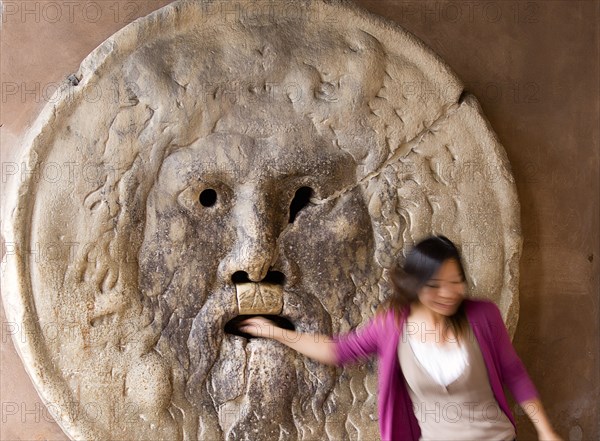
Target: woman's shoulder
391 317
482 308
479 303
474 302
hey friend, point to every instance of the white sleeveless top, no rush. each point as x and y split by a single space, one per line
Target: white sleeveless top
443 363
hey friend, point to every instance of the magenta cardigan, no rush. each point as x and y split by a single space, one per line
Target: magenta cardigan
397 421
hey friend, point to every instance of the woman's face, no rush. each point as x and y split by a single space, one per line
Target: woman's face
445 291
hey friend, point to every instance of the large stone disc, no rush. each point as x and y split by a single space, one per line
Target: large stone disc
172 167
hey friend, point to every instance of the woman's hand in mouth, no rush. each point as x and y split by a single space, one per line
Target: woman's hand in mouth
258 326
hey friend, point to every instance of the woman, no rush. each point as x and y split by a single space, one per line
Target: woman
443 359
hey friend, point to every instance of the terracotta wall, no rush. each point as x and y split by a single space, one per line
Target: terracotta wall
534 66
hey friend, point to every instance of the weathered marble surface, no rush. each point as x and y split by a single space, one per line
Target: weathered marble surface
182 150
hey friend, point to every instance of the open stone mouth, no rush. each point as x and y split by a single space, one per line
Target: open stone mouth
232 326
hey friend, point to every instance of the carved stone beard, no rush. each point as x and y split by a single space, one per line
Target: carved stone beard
258 388
279 394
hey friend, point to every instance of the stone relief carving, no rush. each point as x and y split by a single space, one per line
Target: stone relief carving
277 161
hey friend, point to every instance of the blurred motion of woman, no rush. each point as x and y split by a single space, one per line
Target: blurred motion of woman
443 358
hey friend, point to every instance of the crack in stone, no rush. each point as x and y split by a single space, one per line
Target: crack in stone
403 150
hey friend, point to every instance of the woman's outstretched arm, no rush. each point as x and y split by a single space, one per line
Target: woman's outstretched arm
319 347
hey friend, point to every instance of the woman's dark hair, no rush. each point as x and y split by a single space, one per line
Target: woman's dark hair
421 263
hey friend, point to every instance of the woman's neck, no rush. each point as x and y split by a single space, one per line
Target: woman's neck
428 326
419 312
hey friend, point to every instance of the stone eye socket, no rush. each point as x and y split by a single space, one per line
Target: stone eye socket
208 197
301 199
202 199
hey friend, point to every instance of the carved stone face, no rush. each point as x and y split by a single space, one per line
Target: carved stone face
253 225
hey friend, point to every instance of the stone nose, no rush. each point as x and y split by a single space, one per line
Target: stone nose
254 249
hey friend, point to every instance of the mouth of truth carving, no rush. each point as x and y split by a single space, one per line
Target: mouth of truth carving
269 164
